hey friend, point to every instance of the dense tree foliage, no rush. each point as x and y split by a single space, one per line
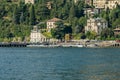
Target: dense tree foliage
17 18
107 34
61 30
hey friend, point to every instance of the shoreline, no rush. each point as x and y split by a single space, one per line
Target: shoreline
95 44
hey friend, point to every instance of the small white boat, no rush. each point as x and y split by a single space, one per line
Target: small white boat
35 45
92 46
80 45
72 46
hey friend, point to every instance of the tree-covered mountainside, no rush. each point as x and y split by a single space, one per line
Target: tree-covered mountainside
17 18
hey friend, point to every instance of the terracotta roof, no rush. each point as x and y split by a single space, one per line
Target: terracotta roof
117 29
54 20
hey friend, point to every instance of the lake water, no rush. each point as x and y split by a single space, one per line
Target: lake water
59 64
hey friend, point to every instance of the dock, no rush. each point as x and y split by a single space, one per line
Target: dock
13 44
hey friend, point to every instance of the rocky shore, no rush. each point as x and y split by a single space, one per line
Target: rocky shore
73 43
80 43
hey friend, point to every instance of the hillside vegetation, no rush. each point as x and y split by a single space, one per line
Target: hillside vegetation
17 18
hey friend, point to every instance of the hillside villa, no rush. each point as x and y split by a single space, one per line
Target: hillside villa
36 36
51 23
96 25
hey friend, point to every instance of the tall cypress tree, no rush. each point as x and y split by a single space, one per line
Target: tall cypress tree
72 12
32 15
21 18
15 18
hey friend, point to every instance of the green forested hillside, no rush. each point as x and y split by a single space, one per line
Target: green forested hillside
17 18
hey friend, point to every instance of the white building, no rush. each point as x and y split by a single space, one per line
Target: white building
111 4
90 12
49 5
103 4
99 3
96 25
29 1
51 23
36 36
89 2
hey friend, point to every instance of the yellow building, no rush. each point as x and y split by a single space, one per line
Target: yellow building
51 23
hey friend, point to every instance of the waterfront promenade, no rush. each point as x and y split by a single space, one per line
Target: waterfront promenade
74 43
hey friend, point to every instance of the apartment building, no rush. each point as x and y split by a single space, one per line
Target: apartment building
96 25
103 4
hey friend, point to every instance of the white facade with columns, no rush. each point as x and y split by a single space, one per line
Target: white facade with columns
36 36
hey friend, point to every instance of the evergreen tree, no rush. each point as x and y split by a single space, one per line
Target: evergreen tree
21 18
72 13
15 18
58 32
32 15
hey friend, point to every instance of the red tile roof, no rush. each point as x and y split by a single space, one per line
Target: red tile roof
54 20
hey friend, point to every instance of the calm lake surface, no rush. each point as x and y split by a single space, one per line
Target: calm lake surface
59 64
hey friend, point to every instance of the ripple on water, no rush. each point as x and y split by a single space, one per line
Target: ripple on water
59 64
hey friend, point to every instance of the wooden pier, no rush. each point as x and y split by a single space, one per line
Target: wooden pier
13 44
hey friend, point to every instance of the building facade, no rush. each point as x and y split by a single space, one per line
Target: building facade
49 5
36 36
51 23
117 31
96 25
90 12
29 1
111 4
89 2
103 4
99 3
